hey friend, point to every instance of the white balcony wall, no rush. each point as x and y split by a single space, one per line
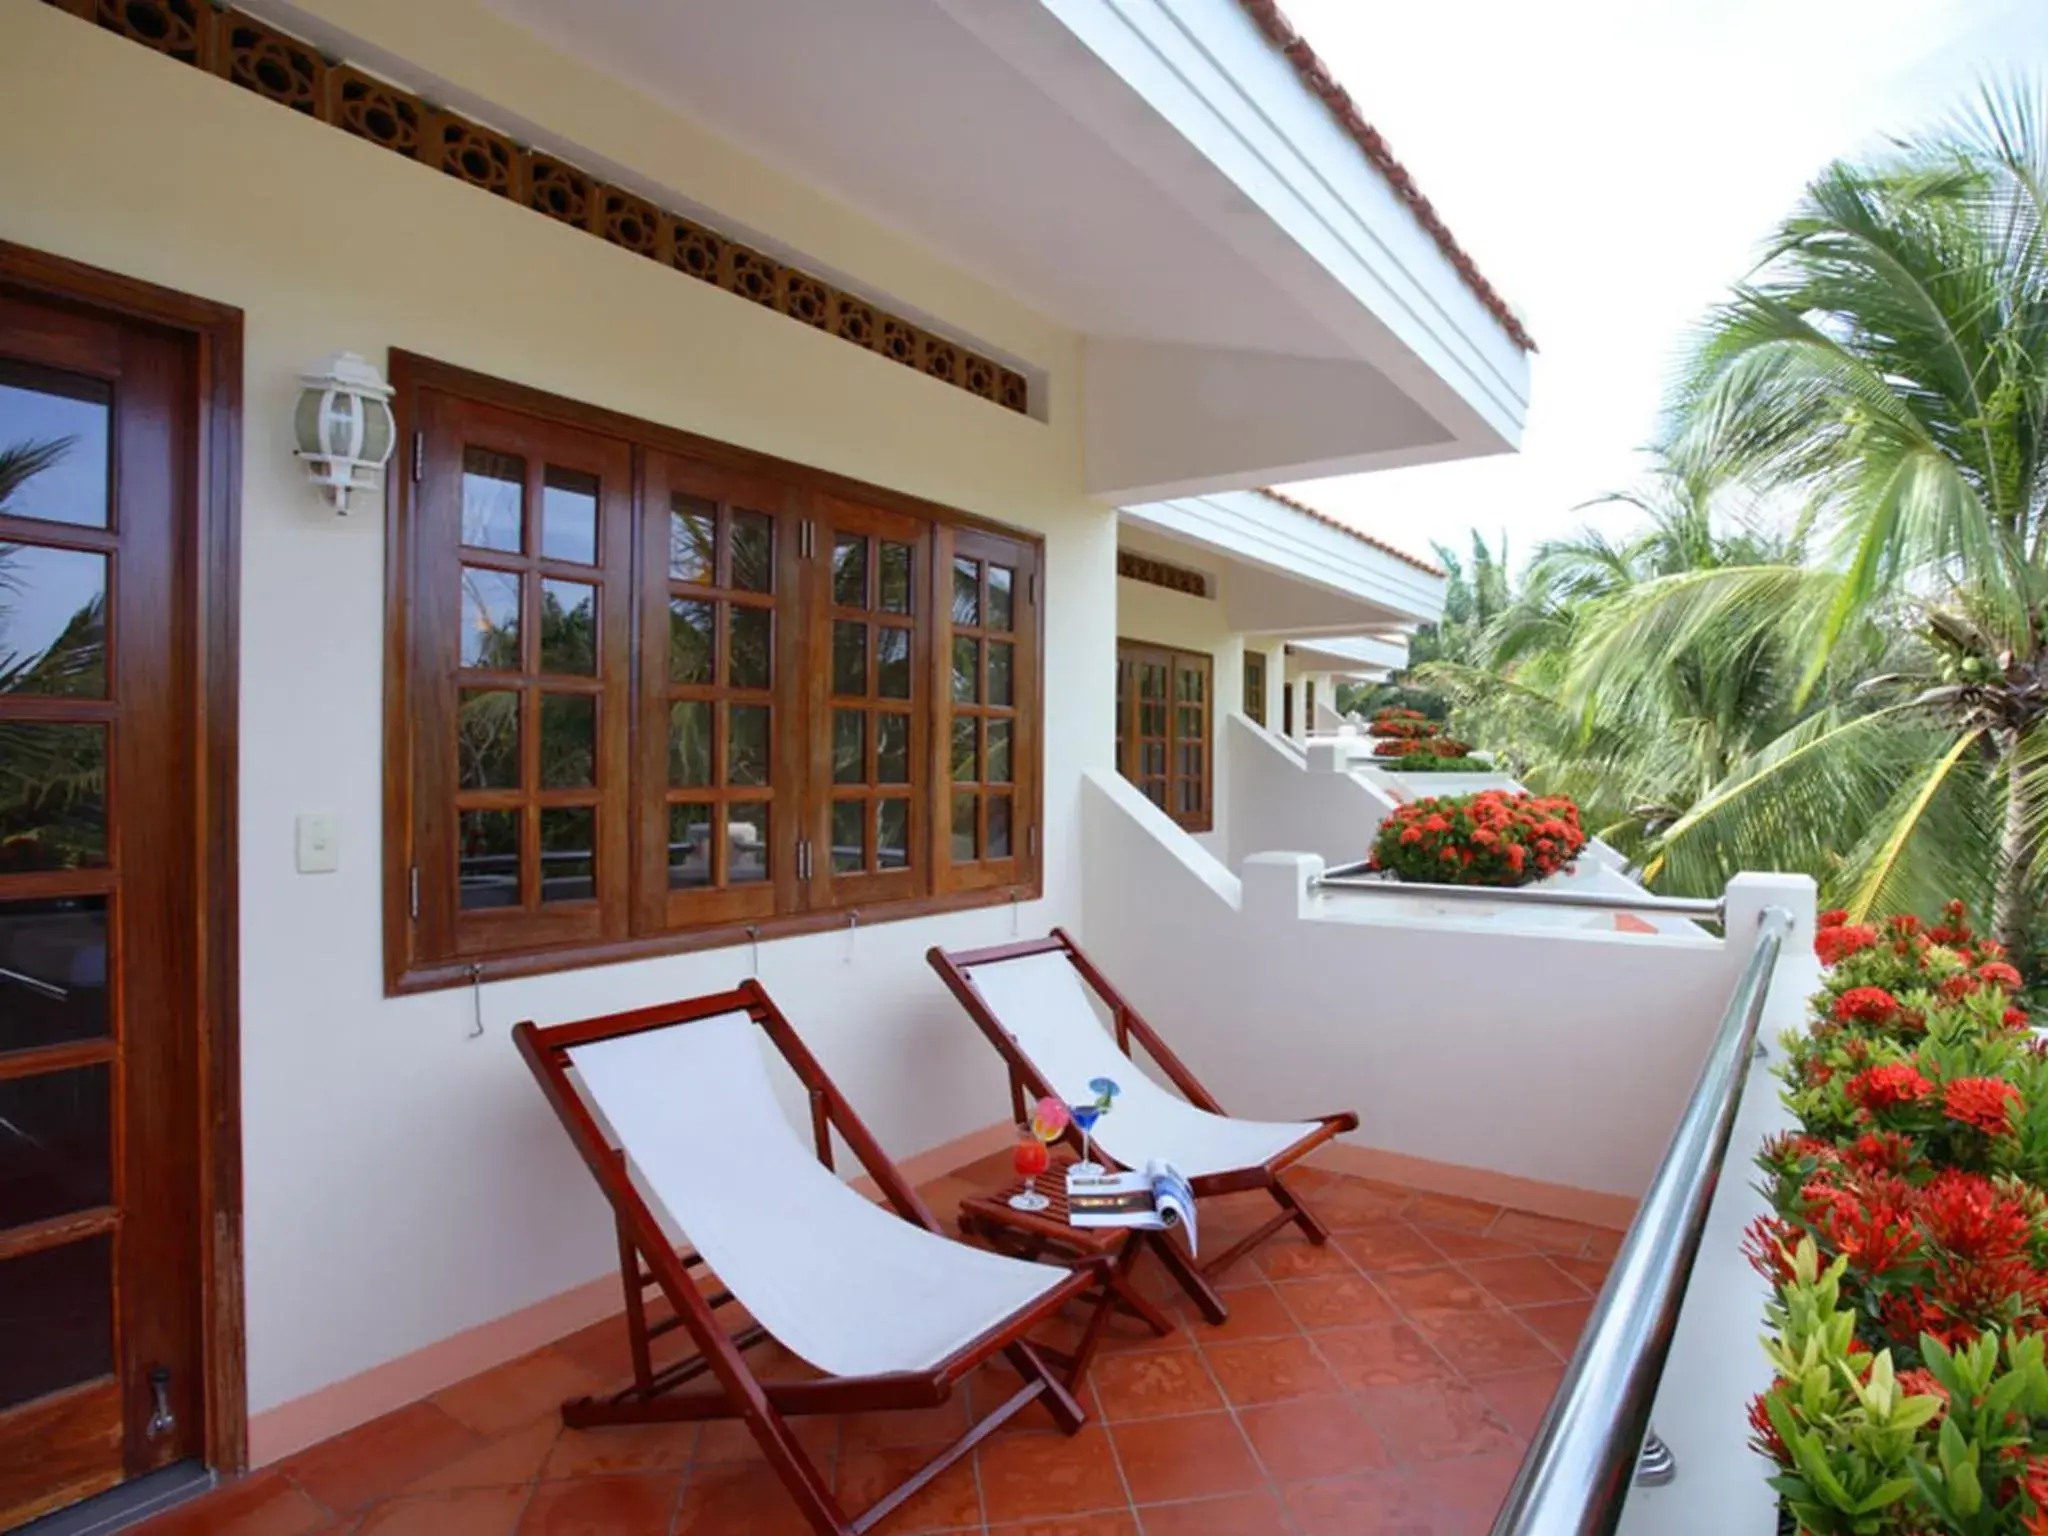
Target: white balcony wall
1275 803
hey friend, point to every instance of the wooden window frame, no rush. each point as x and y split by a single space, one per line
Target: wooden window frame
429 940
1254 700
1178 663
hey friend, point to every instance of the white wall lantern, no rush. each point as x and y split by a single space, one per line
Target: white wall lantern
343 426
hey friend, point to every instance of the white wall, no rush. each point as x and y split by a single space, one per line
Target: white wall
404 1181
1277 804
1561 1055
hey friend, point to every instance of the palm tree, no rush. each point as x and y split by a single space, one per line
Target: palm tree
1885 371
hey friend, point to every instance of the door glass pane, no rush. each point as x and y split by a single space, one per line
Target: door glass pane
746 833
53 971
487 859
568 853
692 539
56 1313
568 740
849 850
55 424
895 583
892 749
849 659
568 515
56 1152
493 499
1001 660
999 826
689 744
53 800
689 639
892 834
966 842
746 758
966 670
568 628
967 592
490 619
689 845
999 751
753 551
849 746
53 620
892 663
966 750
1002 607
487 739
850 571
752 636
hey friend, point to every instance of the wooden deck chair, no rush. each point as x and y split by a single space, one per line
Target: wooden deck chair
1031 1000
673 1110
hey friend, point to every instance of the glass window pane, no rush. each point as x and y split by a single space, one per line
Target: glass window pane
689 845
568 628
753 551
568 515
849 848
692 539
490 619
487 739
568 740
892 662
897 563
746 757
966 839
54 953
689 744
53 798
1002 608
892 749
57 423
999 751
568 853
53 620
849 746
751 637
849 659
999 826
850 571
58 1306
493 499
966 670
487 859
967 592
56 1148
689 639
1001 661
892 834
966 750
746 842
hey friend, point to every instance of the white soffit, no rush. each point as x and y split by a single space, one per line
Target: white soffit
1352 654
1258 303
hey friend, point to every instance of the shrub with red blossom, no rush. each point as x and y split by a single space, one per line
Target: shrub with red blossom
1491 838
1867 1005
1838 941
1880 1088
1983 1102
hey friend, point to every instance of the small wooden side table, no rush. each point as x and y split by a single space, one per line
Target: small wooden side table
1030 1234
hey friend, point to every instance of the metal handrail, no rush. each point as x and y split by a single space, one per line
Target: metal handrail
1352 877
1576 1475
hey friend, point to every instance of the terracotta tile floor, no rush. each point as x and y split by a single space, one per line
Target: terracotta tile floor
1385 1383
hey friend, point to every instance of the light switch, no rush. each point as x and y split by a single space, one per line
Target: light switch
319 844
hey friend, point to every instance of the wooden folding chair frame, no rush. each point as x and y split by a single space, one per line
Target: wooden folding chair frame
647 1259
1026 1077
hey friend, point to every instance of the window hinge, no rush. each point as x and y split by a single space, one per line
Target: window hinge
419 456
803 858
412 887
1031 589
807 539
1031 840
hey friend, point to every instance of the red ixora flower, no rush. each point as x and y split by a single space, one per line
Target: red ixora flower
1834 917
1866 1005
1998 974
2015 1019
1838 943
1885 1087
1763 1434
1972 1218
1984 1102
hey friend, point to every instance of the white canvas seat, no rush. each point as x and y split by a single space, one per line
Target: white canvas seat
839 1281
1042 1003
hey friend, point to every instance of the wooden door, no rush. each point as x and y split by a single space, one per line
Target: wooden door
100 1231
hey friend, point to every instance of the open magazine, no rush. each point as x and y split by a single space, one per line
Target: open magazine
1157 1199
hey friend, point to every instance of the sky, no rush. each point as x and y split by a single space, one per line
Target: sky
1612 166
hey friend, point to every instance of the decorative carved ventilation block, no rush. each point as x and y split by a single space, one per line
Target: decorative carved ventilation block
259 58
1158 573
